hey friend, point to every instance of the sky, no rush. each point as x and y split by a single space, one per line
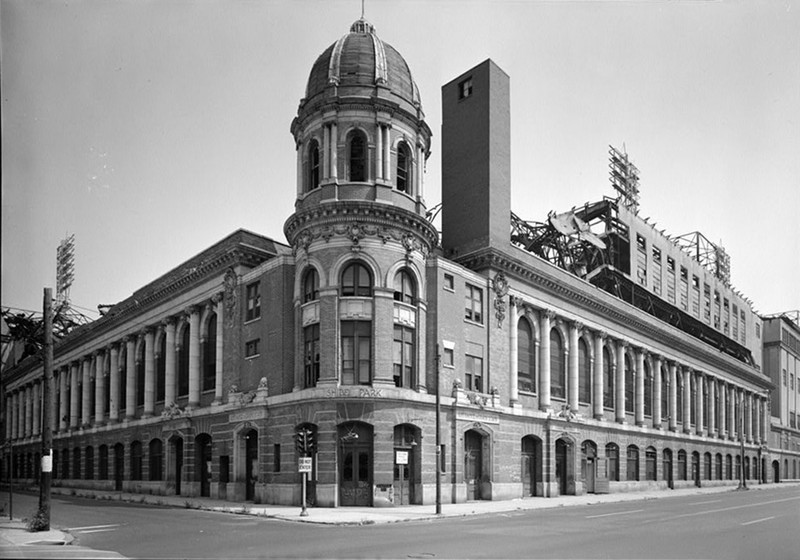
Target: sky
152 129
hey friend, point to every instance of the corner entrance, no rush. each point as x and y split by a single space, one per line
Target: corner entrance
355 464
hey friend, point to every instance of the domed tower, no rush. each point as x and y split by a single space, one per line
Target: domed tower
359 232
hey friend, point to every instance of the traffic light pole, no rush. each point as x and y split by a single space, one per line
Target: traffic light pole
304 512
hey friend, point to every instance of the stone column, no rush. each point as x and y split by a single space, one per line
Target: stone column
765 424
194 357
130 377
63 419
219 302
74 406
379 153
657 381
513 342
149 372
733 428
169 361
673 397
37 409
641 355
757 412
113 379
619 404
572 372
387 154
326 152
699 383
687 400
99 388
86 392
334 141
599 365
711 385
544 359
749 418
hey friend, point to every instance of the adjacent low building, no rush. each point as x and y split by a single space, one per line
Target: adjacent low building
586 353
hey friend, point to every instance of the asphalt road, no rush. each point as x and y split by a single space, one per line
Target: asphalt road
758 524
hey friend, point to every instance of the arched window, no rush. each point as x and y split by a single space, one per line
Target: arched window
313 166
405 288
183 364
648 390
88 463
356 281
633 463
651 457
103 452
679 399
210 354
608 379
311 285
526 358
612 455
357 157
136 460
156 454
403 168
76 463
718 466
728 467
707 466
630 387
584 373
557 374
681 465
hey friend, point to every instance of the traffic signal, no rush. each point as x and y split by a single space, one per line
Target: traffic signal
304 441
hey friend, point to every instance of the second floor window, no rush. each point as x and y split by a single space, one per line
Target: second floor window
253 297
356 281
311 286
473 374
356 353
311 357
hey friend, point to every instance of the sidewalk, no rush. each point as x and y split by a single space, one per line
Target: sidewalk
17 542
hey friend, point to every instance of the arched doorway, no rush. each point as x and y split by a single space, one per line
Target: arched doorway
202 453
473 464
667 467
564 470
355 464
251 464
776 471
696 468
406 464
119 466
764 470
531 466
589 464
175 469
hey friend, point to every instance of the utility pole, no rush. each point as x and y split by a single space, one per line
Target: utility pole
47 413
438 437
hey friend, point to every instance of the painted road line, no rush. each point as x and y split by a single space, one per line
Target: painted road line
758 520
710 511
99 530
91 527
615 513
708 502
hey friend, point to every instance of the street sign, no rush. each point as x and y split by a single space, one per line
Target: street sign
401 457
304 464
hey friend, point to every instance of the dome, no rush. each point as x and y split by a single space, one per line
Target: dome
361 60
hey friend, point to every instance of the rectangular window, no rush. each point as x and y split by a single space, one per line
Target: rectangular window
473 305
696 296
670 279
465 88
726 316
473 374
641 259
449 282
251 348
356 352
311 355
403 356
743 327
684 289
735 323
657 270
276 458
716 310
253 297
448 359
707 303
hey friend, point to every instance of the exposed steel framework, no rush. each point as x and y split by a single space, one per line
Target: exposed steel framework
712 256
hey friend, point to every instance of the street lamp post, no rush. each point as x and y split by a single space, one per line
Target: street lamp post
438 468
